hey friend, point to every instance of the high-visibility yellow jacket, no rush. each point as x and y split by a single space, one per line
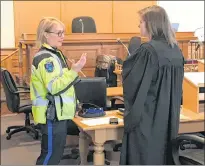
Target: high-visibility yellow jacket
50 74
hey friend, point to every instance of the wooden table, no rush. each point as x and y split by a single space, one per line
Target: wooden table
114 91
101 133
192 85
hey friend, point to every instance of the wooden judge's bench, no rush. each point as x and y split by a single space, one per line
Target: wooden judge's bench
93 44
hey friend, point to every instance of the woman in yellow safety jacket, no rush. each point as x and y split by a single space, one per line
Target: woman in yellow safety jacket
52 91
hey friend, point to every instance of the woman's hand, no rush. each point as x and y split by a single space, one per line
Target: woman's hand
80 64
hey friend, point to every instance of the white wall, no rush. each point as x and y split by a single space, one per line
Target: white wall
7 25
189 14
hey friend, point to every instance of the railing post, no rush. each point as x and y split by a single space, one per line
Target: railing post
20 55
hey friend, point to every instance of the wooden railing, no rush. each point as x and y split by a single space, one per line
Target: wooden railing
94 44
9 60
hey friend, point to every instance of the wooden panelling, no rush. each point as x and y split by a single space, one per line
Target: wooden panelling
27 15
192 96
93 44
125 16
110 16
6 52
100 11
9 60
74 52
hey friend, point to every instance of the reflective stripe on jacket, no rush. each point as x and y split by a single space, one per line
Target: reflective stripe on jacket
51 75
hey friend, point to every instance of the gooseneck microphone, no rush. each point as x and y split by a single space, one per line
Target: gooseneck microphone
82 25
119 41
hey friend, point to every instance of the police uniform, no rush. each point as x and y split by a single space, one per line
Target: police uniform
51 75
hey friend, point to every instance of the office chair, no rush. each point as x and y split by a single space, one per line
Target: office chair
188 149
13 103
83 24
134 44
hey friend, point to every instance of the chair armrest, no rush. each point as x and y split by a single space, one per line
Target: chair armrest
21 92
113 99
176 143
117 98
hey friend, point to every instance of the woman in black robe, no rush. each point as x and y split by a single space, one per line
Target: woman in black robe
152 85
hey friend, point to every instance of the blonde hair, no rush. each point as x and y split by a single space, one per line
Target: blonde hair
158 24
45 25
103 61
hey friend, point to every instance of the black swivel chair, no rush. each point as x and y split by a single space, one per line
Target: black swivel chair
188 149
134 44
83 24
13 103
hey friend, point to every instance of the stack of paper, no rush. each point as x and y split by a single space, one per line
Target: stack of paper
195 77
99 121
182 117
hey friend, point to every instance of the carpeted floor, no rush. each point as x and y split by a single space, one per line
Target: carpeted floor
22 149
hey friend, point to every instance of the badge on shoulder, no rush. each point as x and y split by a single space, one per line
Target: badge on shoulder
49 67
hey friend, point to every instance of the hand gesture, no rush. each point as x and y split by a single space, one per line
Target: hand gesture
80 64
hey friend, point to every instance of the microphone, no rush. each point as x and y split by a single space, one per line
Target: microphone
82 25
119 41
200 36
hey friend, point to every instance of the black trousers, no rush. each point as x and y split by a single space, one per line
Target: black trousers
52 142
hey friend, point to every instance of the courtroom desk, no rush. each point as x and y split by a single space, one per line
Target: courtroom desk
201 65
114 91
193 95
99 134
93 44
111 91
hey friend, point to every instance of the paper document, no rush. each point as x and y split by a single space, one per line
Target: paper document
195 77
182 117
99 121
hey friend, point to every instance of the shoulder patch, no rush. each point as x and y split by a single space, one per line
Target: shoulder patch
49 66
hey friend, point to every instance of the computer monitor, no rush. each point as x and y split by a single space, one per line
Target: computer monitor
175 26
92 90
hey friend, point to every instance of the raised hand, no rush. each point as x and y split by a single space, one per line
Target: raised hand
80 64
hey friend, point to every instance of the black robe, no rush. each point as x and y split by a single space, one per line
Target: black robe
152 87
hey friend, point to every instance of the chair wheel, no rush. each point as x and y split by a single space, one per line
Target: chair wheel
107 162
8 137
7 131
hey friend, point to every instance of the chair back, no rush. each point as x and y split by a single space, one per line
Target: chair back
188 149
134 44
83 24
9 86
